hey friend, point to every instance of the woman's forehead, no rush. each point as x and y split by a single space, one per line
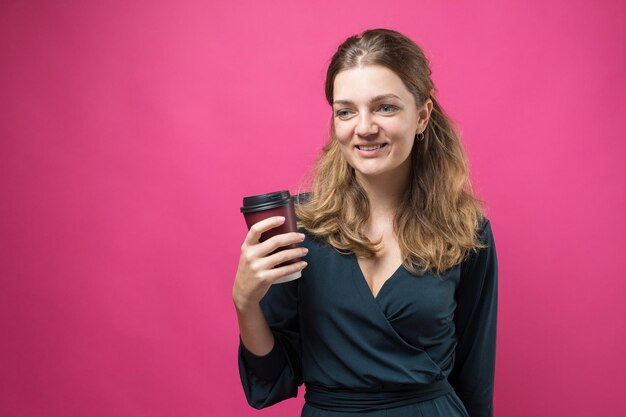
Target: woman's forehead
368 83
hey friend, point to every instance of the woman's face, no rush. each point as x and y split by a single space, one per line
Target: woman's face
375 119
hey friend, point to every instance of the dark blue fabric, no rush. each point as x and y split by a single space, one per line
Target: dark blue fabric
331 332
345 400
448 405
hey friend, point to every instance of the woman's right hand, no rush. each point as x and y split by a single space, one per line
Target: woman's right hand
256 272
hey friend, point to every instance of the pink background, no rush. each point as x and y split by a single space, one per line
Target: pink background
129 131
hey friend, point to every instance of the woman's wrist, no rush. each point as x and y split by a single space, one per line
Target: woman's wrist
244 306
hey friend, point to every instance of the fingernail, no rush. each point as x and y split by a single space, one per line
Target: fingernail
301 235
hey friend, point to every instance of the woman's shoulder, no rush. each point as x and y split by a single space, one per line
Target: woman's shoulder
484 229
311 239
301 198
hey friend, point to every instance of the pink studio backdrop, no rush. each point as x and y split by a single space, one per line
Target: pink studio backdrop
129 131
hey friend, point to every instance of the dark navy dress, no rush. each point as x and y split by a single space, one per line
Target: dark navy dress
424 346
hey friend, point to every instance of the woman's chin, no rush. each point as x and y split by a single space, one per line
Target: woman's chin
370 172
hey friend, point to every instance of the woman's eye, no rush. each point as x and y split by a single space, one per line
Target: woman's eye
342 113
388 108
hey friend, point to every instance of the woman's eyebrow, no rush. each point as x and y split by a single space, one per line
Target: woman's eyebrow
373 100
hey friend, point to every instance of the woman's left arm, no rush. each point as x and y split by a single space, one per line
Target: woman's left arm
475 319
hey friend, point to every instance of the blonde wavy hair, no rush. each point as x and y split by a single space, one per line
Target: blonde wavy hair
438 220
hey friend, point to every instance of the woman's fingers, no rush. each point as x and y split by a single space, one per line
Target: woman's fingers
278 241
278 258
256 271
257 229
275 274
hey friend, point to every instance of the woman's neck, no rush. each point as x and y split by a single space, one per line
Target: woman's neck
384 192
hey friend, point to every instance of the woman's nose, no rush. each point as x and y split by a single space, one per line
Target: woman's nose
366 125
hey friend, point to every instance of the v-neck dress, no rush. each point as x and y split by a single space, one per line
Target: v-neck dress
424 346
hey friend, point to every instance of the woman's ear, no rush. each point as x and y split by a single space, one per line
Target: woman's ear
424 115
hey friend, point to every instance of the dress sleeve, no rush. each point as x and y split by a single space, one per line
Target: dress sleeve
276 376
475 319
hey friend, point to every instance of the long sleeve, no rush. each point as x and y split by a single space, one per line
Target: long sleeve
269 379
475 319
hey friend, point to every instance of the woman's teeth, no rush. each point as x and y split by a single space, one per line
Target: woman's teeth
370 148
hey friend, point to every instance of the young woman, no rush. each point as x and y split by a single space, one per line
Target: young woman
395 312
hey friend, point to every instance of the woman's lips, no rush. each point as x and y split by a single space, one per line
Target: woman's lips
370 151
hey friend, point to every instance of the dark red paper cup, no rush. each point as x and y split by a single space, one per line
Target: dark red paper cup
259 207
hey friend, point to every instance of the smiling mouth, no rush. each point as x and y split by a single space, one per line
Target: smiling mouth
371 148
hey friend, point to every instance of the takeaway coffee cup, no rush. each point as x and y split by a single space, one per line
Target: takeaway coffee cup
279 203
